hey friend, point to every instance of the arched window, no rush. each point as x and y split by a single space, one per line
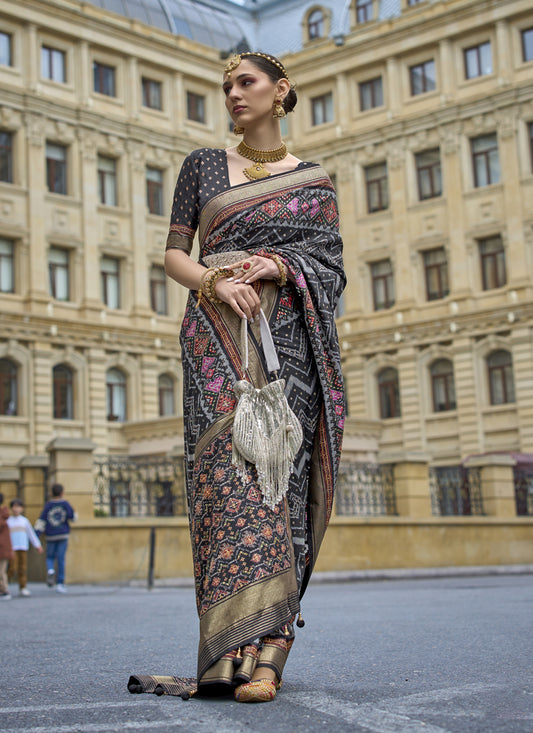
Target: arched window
315 24
442 385
166 395
501 380
8 387
63 393
389 393
116 395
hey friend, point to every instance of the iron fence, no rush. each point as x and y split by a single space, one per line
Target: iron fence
139 487
523 490
366 489
455 491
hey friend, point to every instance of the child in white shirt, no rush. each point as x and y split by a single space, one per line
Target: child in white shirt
22 533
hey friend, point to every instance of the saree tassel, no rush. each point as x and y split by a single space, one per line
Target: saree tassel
300 623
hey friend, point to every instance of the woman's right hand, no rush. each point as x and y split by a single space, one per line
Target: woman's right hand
241 297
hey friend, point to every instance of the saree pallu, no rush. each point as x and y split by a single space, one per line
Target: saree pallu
252 563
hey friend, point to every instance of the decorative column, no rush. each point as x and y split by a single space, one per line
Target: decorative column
497 483
411 484
71 464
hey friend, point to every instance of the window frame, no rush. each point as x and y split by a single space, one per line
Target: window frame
8 48
158 290
63 388
425 78
378 184
322 103
114 388
11 379
105 177
493 263
10 259
433 171
443 380
364 11
52 51
524 44
99 69
316 27
166 392
389 394
57 167
148 86
477 49
154 191
505 374
484 157
196 107
386 280
55 269
438 270
106 279
6 156
372 88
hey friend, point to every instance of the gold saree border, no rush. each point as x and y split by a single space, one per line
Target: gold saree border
247 194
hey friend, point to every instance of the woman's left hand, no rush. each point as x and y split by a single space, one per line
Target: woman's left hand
254 268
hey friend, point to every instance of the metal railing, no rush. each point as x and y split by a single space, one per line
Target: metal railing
366 489
455 491
523 491
138 487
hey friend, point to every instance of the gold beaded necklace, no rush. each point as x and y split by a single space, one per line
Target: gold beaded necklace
257 171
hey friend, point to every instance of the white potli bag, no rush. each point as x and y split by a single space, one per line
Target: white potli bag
266 432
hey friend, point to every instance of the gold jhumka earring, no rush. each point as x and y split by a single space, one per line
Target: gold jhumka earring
238 130
278 112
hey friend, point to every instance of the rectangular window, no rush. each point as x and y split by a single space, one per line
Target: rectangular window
371 94
382 284
423 78
527 44
58 261
485 160
377 189
436 272
7 266
56 168
478 60
158 290
322 109
53 65
6 157
107 180
492 256
110 281
6 56
364 10
196 107
428 174
154 190
151 93
104 79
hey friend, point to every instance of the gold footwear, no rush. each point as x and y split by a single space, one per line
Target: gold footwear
257 691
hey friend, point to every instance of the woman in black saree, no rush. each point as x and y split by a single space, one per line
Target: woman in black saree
269 239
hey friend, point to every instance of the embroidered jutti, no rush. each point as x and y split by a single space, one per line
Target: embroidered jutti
252 563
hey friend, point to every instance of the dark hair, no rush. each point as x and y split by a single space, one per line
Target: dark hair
57 490
269 65
16 502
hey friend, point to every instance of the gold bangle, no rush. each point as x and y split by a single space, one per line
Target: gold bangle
282 279
210 279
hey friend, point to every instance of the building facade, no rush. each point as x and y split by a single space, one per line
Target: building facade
422 113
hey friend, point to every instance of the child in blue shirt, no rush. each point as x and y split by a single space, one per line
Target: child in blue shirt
54 522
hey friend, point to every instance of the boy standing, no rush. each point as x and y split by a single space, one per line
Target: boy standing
6 551
54 522
22 534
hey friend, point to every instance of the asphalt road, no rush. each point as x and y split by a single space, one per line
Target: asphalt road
441 655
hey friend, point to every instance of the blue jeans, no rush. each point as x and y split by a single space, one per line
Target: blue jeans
56 550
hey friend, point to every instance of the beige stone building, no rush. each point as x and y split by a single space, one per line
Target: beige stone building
421 111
